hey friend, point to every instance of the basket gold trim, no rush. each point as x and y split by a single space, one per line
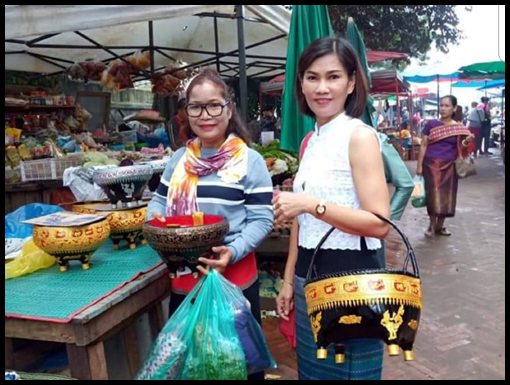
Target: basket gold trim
363 290
350 320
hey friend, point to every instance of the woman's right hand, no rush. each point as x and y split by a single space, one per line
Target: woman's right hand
157 215
285 301
419 170
470 139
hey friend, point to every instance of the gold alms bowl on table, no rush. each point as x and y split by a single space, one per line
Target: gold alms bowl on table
126 225
72 243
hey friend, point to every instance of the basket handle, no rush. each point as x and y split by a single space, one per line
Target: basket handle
410 258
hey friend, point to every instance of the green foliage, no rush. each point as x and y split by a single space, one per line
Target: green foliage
410 29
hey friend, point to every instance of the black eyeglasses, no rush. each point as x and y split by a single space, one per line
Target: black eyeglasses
213 109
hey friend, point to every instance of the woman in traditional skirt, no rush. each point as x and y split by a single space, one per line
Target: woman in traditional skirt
340 183
442 141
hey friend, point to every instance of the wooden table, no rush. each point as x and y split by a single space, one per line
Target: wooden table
86 334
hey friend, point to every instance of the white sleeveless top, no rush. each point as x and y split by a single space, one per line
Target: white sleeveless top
325 172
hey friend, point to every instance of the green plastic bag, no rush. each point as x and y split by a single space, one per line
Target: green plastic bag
419 197
200 341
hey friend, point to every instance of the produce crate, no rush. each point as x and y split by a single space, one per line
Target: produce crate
48 169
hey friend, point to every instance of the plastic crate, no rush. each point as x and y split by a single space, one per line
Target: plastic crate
129 137
48 169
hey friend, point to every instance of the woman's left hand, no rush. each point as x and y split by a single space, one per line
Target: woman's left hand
219 264
290 205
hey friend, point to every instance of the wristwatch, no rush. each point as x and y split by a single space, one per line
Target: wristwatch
321 208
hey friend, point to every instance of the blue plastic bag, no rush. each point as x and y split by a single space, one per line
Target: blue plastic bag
258 357
13 226
155 140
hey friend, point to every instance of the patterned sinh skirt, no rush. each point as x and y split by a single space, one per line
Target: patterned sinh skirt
364 357
442 184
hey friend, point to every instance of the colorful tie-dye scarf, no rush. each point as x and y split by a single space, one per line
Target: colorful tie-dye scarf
231 164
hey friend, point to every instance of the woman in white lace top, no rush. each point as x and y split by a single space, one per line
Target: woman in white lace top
340 183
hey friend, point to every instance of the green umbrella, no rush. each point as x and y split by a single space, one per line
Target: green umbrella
308 23
354 36
490 70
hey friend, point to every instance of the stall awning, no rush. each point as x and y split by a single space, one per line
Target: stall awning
43 38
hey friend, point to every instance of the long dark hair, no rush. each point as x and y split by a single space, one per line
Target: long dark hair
454 102
236 125
356 102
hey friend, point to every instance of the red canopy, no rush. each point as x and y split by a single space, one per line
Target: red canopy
378 56
278 79
387 81
422 92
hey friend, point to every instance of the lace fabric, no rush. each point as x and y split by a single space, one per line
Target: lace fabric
325 172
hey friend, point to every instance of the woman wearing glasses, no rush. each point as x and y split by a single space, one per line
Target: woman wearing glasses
218 174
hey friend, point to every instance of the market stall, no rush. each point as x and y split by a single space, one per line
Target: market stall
386 85
103 285
116 47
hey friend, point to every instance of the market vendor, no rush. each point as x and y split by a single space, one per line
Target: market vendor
218 174
176 125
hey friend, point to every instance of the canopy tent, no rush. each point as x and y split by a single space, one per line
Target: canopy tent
473 84
273 87
380 56
431 78
432 73
489 70
493 84
480 84
388 82
50 38
43 38
422 92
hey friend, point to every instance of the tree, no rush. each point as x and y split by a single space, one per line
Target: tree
410 29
